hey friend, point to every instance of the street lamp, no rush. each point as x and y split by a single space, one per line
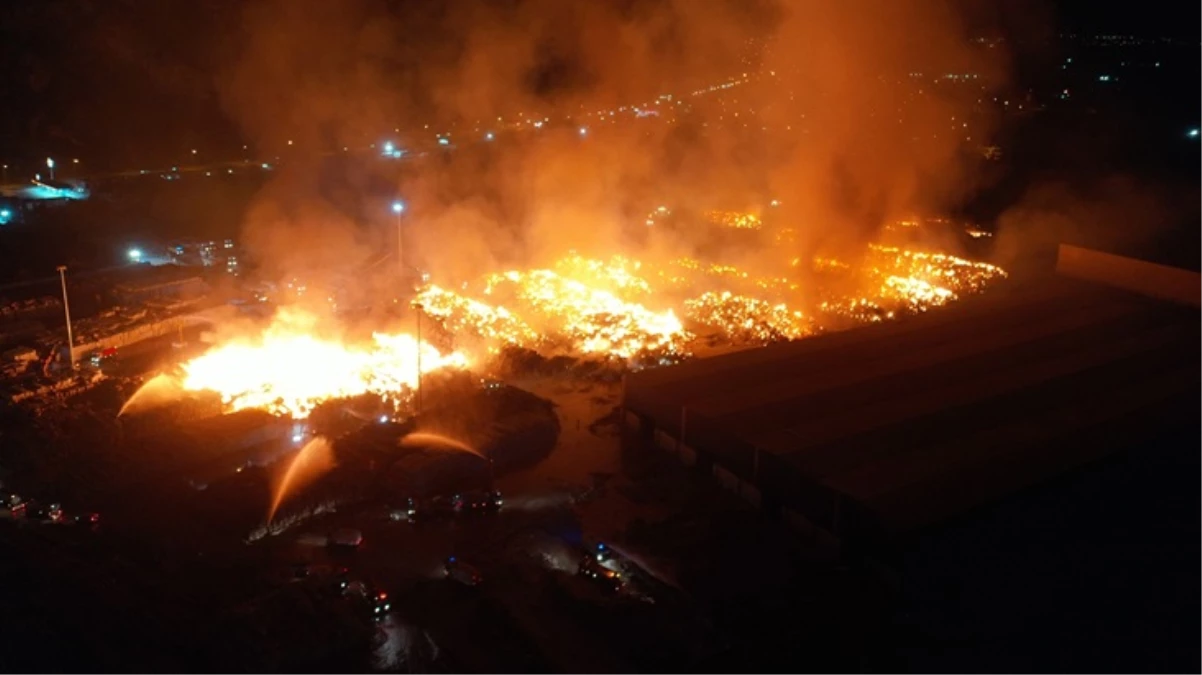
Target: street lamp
62 275
398 209
50 165
418 311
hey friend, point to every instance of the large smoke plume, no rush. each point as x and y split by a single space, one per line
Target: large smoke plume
848 135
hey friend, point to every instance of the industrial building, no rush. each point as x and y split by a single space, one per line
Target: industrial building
872 435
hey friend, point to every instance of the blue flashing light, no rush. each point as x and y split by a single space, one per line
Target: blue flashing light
6 216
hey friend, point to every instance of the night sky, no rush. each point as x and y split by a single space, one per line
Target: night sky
121 81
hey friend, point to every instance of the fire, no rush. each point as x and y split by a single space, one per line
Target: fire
745 319
288 369
626 308
735 219
596 320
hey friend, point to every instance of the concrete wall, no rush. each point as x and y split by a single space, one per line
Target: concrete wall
154 330
119 340
1159 281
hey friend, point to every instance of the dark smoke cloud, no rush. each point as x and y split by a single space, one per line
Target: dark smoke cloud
850 144
1117 213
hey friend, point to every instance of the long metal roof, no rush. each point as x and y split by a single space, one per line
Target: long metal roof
909 423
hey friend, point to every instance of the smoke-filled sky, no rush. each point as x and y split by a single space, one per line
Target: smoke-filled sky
833 125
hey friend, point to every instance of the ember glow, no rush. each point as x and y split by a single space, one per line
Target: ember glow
596 320
631 311
288 368
627 309
735 219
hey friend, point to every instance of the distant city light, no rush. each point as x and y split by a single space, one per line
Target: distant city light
583 131
1192 133
265 165
489 136
398 207
135 254
444 141
49 163
389 149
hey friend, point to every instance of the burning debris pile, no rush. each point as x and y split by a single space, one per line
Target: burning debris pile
619 311
290 368
583 317
626 309
747 319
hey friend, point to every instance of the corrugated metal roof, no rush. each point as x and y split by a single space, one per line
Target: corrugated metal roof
918 420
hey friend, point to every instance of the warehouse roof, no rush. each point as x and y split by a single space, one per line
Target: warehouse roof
915 421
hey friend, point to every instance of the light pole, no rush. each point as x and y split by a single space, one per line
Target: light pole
398 209
5 173
50 165
62 275
418 307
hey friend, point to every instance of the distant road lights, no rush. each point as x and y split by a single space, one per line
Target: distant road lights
135 255
584 131
489 136
193 151
444 141
50 165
